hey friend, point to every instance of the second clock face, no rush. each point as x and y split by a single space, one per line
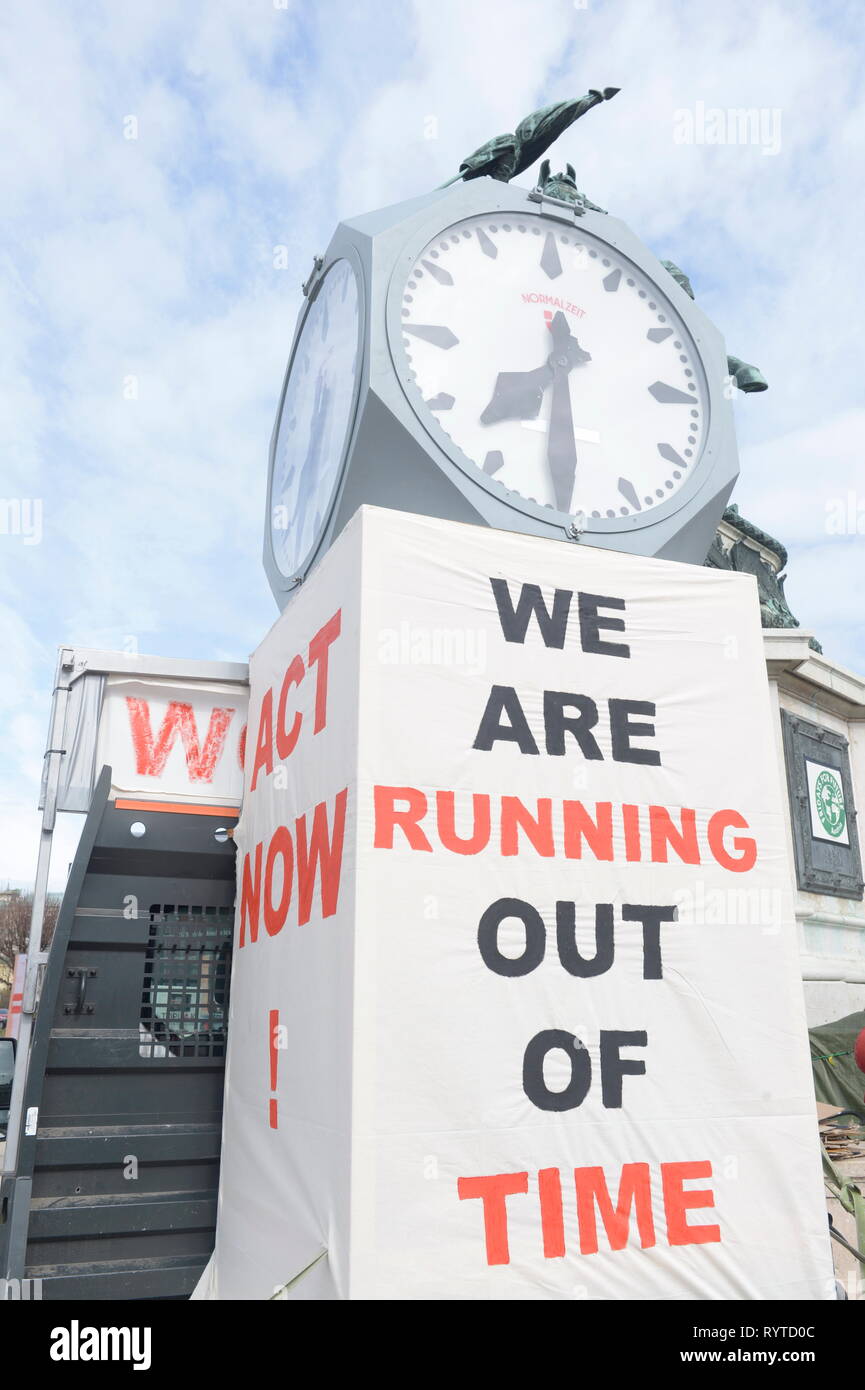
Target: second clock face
555 365
315 419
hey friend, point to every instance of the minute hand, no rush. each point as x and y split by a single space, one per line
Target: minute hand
561 446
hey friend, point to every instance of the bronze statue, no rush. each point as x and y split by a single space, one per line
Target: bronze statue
732 553
564 187
508 155
746 377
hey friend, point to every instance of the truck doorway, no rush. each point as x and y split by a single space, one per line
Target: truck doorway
115 1191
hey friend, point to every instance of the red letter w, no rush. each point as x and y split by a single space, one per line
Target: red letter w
151 757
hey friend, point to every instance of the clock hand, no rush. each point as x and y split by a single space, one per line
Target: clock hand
565 345
517 395
561 445
558 326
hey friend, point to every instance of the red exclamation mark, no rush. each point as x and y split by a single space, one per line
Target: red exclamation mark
274 1060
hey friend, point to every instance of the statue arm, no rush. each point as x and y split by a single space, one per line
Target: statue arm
537 131
508 155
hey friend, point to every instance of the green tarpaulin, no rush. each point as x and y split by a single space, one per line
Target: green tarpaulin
837 1079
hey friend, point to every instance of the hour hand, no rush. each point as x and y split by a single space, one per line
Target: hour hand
517 396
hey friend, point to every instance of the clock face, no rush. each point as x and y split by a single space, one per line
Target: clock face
315 419
555 365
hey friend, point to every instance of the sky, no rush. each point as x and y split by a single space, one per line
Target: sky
168 172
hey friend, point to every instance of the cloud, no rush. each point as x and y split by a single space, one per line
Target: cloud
153 156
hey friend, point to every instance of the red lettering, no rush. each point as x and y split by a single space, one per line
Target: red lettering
319 654
570 829
387 817
264 743
539 830
250 898
287 738
682 840
493 1192
634 1200
552 1216
746 847
322 857
634 1189
677 1202
579 825
151 756
631 822
281 844
445 816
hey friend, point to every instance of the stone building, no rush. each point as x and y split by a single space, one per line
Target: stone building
819 711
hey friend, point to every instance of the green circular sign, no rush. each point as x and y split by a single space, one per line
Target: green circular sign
829 800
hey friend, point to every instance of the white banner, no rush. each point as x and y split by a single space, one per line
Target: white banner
78 766
516 1010
169 740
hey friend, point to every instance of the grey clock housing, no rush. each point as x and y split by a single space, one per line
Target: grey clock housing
397 457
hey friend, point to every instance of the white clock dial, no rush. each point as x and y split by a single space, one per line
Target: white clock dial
555 365
315 419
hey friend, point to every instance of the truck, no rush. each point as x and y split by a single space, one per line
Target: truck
110 1175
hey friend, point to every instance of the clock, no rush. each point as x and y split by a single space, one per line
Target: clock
553 364
314 419
521 363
